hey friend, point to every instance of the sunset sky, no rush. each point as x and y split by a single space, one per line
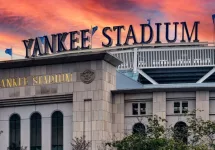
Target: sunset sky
24 19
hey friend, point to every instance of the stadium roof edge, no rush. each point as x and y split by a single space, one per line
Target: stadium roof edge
170 88
63 58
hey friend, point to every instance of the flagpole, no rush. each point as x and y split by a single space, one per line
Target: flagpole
11 53
213 18
214 34
91 37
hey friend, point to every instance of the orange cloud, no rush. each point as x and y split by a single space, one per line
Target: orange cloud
189 11
29 19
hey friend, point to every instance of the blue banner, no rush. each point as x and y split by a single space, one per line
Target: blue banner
9 51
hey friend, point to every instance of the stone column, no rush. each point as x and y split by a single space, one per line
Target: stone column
46 134
25 133
92 103
159 104
118 117
202 103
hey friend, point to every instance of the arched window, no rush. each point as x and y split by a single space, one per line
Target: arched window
35 131
14 140
57 131
181 131
139 128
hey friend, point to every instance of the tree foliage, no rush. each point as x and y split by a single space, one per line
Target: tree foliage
80 144
198 134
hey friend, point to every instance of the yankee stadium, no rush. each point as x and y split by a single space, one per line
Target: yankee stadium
58 93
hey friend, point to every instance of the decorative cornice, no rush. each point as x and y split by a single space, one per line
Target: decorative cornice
39 100
60 59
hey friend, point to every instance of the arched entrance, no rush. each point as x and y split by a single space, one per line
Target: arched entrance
139 128
181 131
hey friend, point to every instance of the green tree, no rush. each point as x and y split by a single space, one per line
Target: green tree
201 131
198 134
80 144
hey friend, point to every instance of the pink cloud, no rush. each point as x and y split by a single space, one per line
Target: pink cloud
29 19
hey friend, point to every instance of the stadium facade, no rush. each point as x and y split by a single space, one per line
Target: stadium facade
47 101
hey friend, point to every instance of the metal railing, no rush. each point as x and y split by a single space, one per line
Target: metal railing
165 57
